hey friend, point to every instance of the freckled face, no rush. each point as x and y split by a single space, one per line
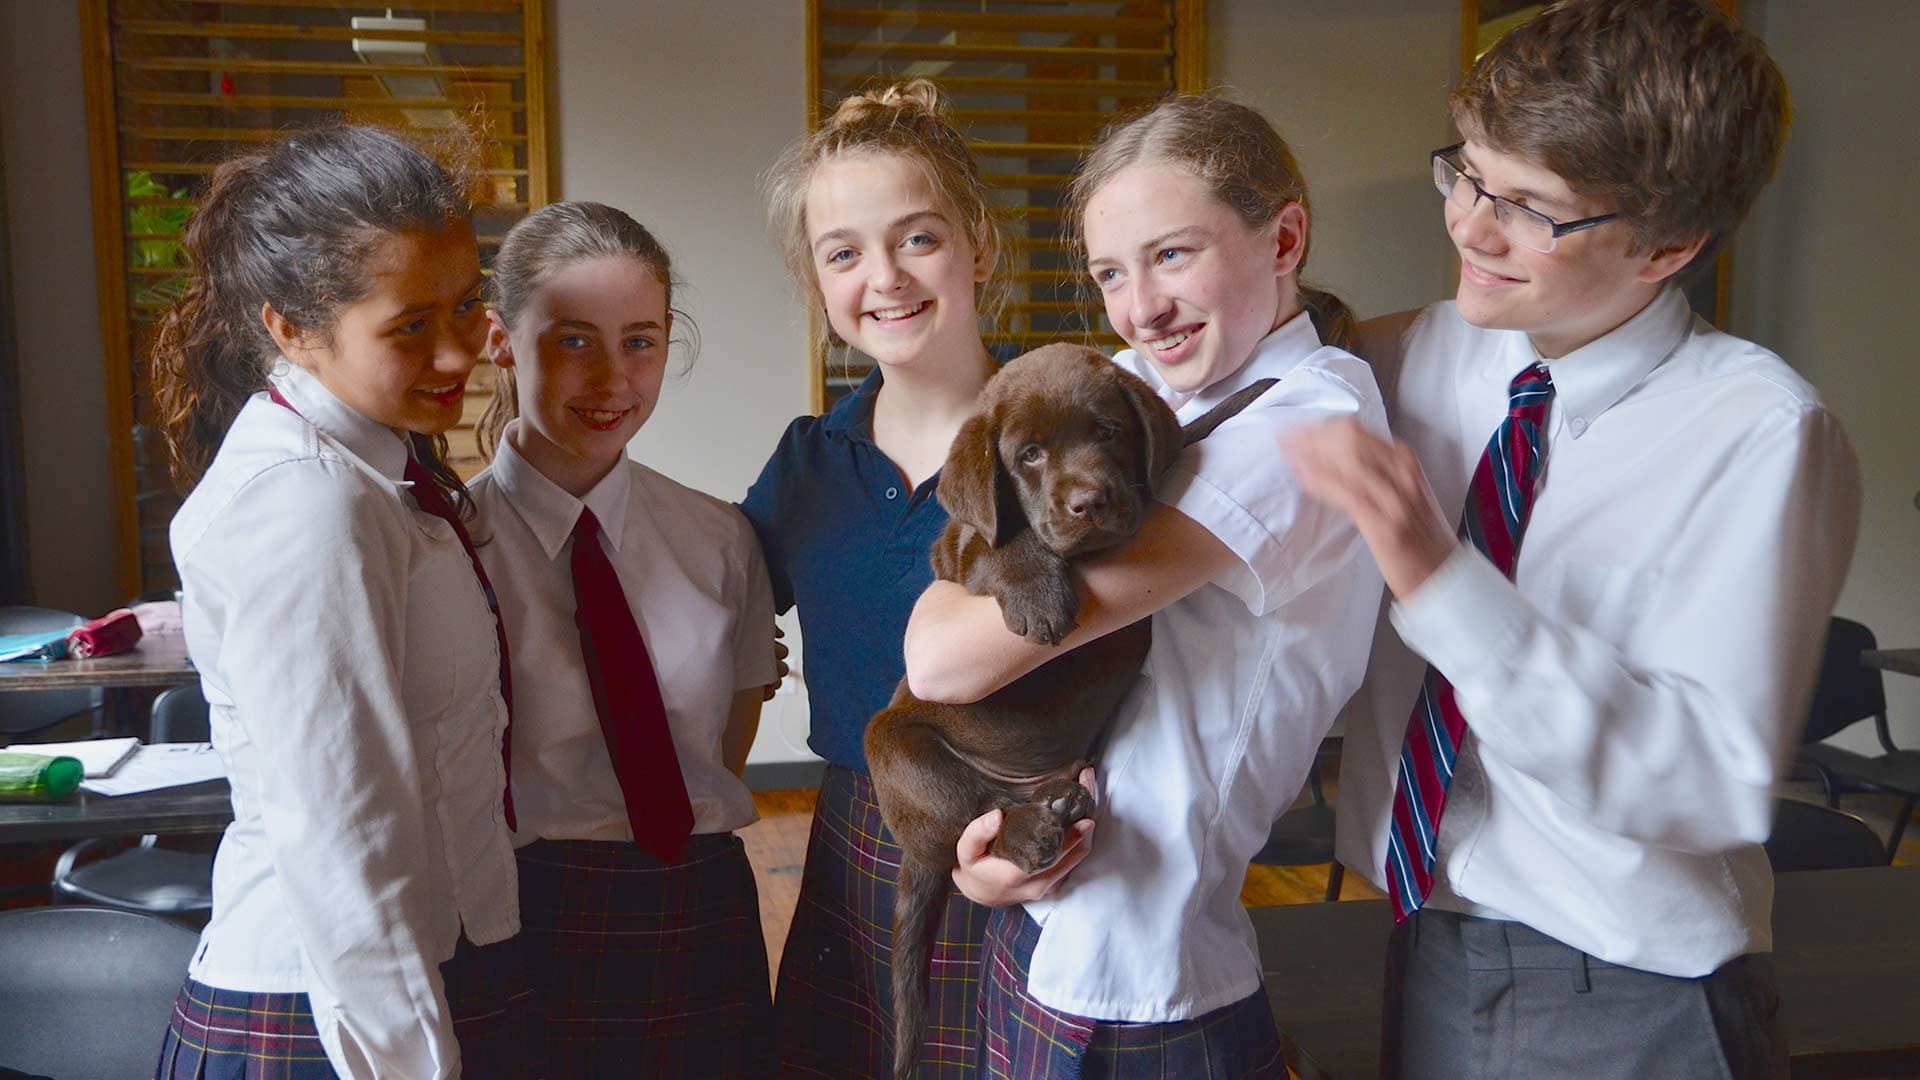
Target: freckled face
589 355
896 271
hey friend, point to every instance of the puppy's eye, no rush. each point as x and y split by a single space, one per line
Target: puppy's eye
1031 455
1106 431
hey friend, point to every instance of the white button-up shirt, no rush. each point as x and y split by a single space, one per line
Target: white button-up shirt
1243 680
695 581
1633 694
349 662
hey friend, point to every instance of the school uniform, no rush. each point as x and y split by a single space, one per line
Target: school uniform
1600 904
848 541
351 670
646 961
1143 962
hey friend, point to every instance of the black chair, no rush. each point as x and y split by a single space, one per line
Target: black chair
1304 836
27 711
145 878
1848 692
87 992
1808 836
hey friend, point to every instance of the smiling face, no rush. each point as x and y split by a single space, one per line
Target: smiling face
1185 281
896 270
588 355
1590 283
400 355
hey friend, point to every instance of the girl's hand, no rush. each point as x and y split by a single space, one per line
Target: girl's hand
780 662
996 882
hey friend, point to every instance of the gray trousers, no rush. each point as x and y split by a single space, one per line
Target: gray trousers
1482 999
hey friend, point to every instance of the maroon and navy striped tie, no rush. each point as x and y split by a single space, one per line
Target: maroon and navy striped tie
1498 503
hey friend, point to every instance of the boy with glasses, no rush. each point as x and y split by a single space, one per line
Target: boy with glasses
1613 536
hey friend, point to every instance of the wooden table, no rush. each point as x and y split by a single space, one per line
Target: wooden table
191 808
1903 661
1846 946
159 660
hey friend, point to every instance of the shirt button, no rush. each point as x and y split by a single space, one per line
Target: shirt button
1577 424
893 493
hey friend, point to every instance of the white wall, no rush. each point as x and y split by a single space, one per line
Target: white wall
71 540
1825 275
1359 90
671 111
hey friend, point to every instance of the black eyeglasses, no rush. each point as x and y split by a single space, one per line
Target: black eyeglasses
1520 224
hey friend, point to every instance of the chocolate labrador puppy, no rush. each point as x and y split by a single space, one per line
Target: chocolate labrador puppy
1059 461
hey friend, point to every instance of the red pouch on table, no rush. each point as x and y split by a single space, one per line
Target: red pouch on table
114 632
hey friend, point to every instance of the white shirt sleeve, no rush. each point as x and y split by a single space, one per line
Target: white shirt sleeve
310 564
1674 737
1236 484
753 630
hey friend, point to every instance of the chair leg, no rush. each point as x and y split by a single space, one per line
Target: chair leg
1900 826
1335 873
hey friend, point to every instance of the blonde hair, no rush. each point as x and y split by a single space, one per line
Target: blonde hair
907 120
540 244
1236 153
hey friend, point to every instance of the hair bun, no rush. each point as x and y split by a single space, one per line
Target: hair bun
913 99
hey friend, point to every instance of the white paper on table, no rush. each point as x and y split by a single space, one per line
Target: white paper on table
162 765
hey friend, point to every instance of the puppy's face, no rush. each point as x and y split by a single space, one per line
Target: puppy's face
1066 444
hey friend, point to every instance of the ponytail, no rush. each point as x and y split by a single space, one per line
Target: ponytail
1332 318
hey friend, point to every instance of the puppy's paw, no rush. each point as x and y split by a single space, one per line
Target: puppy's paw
1030 837
1044 611
1031 833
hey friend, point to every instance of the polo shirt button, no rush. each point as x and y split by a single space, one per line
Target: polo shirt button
893 493
1577 424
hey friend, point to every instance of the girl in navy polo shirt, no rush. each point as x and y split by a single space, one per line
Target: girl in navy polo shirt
886 225
641 628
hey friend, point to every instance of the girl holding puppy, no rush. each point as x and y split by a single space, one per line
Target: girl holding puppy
885 224
1142 963
641 628
364 894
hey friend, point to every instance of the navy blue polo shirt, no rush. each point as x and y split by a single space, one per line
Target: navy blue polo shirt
847 540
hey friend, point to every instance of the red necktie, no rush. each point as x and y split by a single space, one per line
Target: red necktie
430 499
626 695
1499 501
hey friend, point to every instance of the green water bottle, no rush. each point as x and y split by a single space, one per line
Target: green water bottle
37 777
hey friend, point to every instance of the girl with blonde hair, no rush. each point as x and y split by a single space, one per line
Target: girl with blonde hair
886 226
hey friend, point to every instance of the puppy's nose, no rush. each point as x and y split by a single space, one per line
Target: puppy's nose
1088 501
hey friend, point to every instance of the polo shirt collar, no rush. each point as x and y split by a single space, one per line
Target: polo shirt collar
379 446
548 509
1593 378
852 416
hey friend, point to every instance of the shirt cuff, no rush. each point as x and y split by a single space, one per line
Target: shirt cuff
1464 617
1215 511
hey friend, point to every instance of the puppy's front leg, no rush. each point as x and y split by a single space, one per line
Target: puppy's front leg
1033 584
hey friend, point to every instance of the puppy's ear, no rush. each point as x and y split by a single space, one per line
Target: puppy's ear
974 485
1160 439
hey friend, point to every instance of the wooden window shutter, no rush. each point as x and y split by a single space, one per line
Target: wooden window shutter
174 87
1031 82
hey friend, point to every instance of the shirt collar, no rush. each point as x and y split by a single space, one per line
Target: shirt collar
370 441
1273 356
549 511
1593 378
852 416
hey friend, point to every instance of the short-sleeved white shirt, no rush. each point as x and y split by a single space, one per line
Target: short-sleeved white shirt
694 579
1243 680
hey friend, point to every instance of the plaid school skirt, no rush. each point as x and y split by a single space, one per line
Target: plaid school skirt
1025 1040
645 970
833 1010
234 1035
